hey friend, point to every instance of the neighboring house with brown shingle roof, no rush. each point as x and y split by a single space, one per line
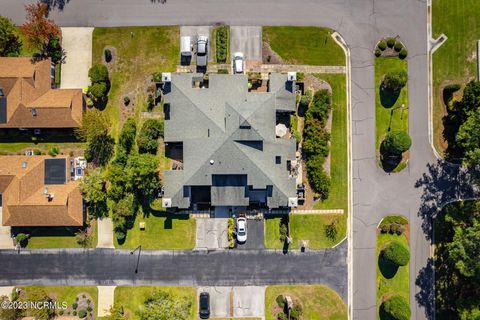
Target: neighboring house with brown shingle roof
27 99
38 191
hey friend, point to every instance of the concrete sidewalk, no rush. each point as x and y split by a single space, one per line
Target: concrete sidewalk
106 297
77 43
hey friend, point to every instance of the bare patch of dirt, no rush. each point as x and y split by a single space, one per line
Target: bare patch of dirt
269 56
314 83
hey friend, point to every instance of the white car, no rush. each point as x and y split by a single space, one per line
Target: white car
241 230
238 61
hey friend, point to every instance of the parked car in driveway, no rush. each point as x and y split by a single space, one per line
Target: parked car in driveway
241 230
202 54
238 61
204 305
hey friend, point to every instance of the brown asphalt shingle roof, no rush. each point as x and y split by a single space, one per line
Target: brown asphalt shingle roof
22 184
26 86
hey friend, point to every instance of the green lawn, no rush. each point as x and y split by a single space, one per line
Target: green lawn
338 198
164 231
304 45
132 298
140 51
455 60
391 281
57 237
11 148
67 293
305 227
319 302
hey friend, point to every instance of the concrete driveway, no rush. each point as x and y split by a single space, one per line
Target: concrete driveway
247 40
6 241
248 301
193 32
212 234
77 43
105 233
255 236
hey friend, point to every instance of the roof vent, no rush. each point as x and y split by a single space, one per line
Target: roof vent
34 112
212 161
45 191
24 164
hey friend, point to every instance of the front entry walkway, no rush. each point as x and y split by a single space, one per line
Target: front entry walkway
77 43
6 241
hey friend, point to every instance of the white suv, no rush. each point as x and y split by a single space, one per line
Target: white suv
238 61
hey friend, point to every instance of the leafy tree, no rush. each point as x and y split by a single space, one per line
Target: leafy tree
93 190
7 313
464 249
100 149
471 99
124 208
468 138
10 43
83 238
54 49
126 139
331 230
396 308
98 73
319 180
116 313
119 181
94 123
396 253
37 295
147 139
391 42
397 142
315 140
143 172
395 81
37 29
164 306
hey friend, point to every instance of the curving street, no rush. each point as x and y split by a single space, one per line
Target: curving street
416 192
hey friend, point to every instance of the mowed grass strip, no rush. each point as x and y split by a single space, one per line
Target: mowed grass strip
389 117
309 227
391 281
338 197
305 45
132 298
318 302
58 237
67 293
140 51
455 61
163 231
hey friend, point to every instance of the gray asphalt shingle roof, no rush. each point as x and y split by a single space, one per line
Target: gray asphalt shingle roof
234 128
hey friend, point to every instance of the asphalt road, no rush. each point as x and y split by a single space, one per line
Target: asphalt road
415 192
216 268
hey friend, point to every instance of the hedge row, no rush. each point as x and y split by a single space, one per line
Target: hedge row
315 142
221 43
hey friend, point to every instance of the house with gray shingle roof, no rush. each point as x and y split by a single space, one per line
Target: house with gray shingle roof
230 154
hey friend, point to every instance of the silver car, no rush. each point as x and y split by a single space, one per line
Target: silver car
202 54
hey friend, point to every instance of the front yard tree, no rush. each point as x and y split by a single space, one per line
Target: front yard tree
464 250
468 138
143 172
10 43
7 313
38 30
164 306
396 308
93 190
98 73
395 81
397 142
37 295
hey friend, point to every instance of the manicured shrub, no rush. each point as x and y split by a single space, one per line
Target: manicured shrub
54 49
280 301
395 81
378 53
391 42
403 53
98 73
396 253
21 239
331 230
74 313
61 312
397 142
120 234
108 55
396 308
283 230
282 316
398 46
296 312
82 314
382 45
221 43
318 179
222 71
98 90
74 306
37 152
53 151
126 100
385 228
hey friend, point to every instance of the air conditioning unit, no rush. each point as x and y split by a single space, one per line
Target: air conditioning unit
166 202
292 76
166 76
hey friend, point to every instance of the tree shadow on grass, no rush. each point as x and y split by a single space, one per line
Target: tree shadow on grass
388 160
388 98
384 315
387 268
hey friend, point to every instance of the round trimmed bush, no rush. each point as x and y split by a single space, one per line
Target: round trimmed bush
396 253
280 301
82 314
396 308
403 53
382 45
98 73
74 306
98 90
378 53
394 81
391 42
398 46
397 142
